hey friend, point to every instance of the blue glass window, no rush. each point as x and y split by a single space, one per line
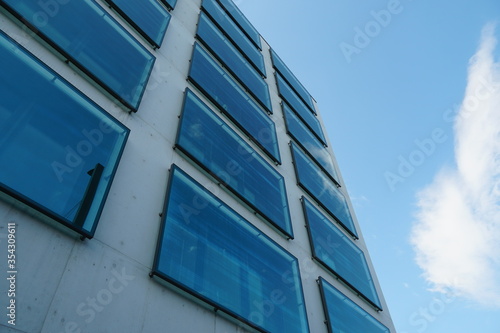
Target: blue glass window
169 3
343 315
322 189
208 250
242 21
303 136
221 152
234 33
148 17
94 42
339 254
233 101
299 107
224 50
58 150
292 81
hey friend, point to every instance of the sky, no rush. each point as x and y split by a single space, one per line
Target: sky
409 91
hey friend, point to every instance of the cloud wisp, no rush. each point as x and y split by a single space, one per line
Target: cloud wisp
456 235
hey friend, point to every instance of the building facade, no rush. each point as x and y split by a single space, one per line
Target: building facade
163 170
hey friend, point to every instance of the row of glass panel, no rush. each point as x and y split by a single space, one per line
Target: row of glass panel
233 60
37 113
300 118
206 249
148 17
335 202
309 119
295 84
338 254
321 188
233 101
214 146
241 21
85 35
93 136
307 141
209 251
235 34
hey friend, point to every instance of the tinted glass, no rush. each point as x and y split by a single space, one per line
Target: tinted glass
224 50
300 109
219 150
222 90
51 136
148 17
169 3
322 189
292 81
343 315
234 33
96 43
339 254
210 251
309 142
242 21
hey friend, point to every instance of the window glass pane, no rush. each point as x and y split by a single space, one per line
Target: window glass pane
208 76
339 254
51 136
169 3
322 189
219 150
210 251
309 142
148 17
224 50
343 315
299 107
234 33
242 21
292 81
95 42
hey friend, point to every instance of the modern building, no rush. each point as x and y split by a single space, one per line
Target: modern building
162 170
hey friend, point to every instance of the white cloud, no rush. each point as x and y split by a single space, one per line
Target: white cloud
456 235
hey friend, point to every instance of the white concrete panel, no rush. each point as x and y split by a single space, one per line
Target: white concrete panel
101 291
223 325
130 219
167 311
41 256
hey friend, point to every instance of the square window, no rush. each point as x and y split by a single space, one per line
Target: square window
213 145
234 102
58 150
148 17
207 250
321 188
339 254
343 315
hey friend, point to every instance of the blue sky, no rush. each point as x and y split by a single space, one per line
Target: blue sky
410 94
